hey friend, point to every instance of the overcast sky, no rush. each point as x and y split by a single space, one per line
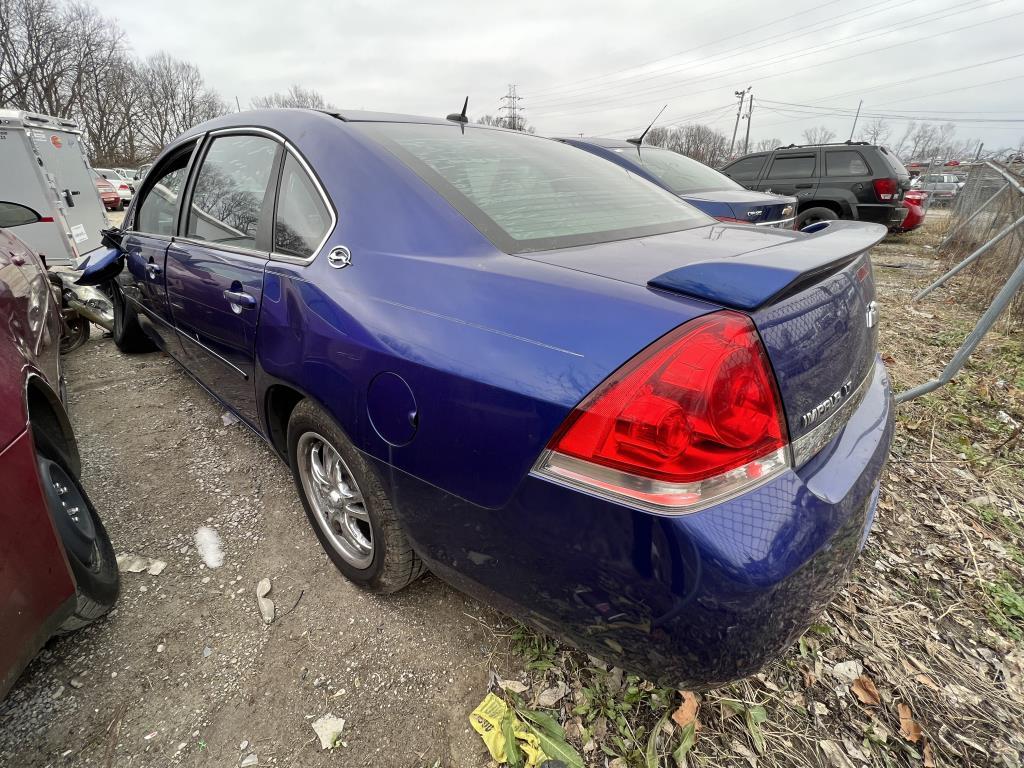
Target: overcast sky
606 69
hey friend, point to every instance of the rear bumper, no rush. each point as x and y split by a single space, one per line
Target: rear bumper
695 600
889 215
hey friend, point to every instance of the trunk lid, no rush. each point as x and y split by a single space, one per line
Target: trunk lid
810 295
751 207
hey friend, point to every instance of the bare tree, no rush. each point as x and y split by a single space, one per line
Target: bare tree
818 135
700 142
173 99
491 120
766 145
295 97
876 131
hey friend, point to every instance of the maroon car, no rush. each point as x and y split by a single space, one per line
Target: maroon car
57 566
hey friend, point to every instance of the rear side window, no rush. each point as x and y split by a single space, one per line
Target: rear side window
156 214
792 167
525 193
302 217
746 169
845 162
231 190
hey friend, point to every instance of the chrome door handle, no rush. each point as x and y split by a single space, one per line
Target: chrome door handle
153 270
240 299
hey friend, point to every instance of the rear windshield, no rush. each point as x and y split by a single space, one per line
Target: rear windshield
679 173
526 193
894 162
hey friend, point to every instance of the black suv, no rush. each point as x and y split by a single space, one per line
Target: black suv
852 180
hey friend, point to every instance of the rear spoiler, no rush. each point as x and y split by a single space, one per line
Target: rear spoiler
751 280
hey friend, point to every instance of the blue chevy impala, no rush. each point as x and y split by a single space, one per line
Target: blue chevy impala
549 381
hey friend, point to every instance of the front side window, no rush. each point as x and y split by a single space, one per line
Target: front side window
792 167
746 169
231 189
846 162
302 217
526 193
156 214
681 174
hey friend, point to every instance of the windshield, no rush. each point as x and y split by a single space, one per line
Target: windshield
527 193
679 173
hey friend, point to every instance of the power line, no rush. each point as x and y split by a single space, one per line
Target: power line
571 84
769 41
817 65
570 107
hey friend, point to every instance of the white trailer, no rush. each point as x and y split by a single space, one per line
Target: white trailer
43 166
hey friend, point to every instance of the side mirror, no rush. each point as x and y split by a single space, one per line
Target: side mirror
17 215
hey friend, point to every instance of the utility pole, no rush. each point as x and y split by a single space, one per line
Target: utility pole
513 112
750 112
981 145
741 95
238 104
859 105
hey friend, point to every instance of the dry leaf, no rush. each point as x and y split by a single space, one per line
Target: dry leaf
864 689
929 756
909 728
687 711
927 681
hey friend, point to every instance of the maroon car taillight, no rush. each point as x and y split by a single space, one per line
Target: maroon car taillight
730 220
692 420
886 189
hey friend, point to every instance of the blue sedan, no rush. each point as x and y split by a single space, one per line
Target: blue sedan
705 188
528 370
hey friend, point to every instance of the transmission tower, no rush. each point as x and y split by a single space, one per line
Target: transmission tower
512 113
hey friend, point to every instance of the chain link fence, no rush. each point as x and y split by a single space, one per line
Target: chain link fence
985 229
987 208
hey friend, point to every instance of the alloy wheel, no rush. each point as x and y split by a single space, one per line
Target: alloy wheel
336 499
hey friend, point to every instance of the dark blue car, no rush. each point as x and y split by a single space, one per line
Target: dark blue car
705 188
546 380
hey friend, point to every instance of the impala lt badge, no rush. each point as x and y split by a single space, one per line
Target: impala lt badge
827 405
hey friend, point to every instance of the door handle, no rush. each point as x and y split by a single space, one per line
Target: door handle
804 186
240 299
68 199
153 270
16 260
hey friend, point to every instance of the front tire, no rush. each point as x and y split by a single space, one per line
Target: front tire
128 334
814 215
85 540
77 333
346 504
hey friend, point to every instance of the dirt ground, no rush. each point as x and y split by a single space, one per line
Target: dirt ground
184 672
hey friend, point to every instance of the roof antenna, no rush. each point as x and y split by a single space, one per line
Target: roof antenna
639 139
460 117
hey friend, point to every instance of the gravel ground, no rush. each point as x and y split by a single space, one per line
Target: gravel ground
184 672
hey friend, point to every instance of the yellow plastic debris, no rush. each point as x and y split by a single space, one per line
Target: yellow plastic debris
486 720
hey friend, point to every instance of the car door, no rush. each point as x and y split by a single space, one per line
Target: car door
792 173
215 267
746 170
152 229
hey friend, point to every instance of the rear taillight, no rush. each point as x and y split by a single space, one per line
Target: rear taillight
886 189
690 421
731 220
124 188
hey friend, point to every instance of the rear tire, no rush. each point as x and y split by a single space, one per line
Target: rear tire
77 334
128 334
85 540
346 504
814 215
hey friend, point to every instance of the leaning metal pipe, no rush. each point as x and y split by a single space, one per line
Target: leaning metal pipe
999 303
92 314
971 259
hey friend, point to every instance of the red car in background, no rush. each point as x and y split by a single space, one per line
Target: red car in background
111 200
57 566
913 201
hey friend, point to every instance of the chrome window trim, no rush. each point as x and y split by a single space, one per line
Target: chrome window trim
810 443
307 169
214 246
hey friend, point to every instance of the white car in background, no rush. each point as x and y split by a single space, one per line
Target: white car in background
125 187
